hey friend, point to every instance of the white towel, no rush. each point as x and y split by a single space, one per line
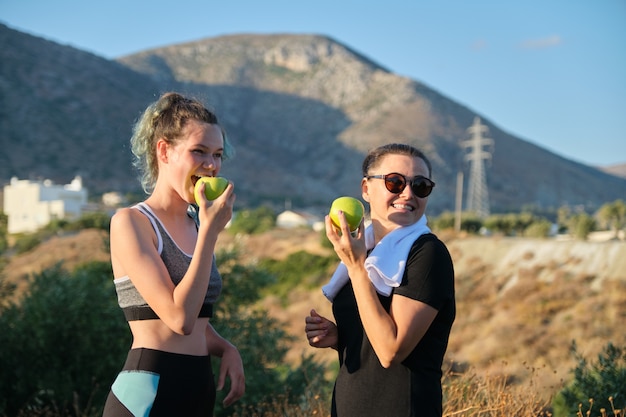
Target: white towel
385 264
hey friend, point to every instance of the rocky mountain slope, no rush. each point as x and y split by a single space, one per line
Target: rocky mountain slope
300 109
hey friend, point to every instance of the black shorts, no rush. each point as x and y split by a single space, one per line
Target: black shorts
155 383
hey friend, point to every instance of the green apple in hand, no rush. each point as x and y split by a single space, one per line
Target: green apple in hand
352 208
213 188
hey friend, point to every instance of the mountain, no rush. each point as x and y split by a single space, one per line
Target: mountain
618 170
65 112
301 111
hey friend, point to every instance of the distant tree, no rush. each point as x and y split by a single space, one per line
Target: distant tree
562 217
471 223
613 216
523 221
580 225
495 223
442 222
538 228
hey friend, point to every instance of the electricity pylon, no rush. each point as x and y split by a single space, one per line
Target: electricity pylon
478 194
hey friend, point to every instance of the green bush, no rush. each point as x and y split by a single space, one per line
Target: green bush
444 221
580 225
262 341
4 242
254 221
470 222
95 220
26 242
62 343
299 268
539 228
613 216
599 381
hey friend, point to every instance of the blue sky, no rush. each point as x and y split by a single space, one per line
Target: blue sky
552 72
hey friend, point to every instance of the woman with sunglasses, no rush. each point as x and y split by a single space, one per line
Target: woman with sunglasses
162 253
392 295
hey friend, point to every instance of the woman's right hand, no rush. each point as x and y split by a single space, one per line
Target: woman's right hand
320 332
217 213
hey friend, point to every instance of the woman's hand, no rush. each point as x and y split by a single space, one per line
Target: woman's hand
320 332
217 213
350 249
231 366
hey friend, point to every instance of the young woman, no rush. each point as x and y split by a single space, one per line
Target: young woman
392 294
163 261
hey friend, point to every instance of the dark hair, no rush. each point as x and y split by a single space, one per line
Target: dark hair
374 156
166 118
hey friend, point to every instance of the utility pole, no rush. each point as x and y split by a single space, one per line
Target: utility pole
458 207
478 195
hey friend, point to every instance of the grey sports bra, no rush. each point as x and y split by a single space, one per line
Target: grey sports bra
177 262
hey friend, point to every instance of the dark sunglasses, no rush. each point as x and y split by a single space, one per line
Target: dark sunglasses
395 183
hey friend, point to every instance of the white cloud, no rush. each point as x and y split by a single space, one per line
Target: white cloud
548 42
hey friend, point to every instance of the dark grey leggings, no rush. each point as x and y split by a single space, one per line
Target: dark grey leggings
155 383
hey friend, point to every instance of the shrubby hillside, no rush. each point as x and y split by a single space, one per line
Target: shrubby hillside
521 301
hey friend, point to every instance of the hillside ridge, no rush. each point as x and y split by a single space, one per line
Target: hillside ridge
301 111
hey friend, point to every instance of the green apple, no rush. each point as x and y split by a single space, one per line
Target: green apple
213 188
352 208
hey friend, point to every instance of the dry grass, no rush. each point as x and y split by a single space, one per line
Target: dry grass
469 394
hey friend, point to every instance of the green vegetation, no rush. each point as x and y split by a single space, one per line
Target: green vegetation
27 241
580 225
4 243
577 223
613 216
261 340
298 269
62 343
258 220
602 384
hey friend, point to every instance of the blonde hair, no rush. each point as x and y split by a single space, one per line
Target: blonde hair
165 119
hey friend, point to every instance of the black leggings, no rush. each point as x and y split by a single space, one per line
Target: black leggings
155 383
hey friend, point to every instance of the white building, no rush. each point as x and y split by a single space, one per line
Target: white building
31 205
289 219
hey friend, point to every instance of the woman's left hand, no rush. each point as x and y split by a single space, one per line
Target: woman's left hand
231 366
